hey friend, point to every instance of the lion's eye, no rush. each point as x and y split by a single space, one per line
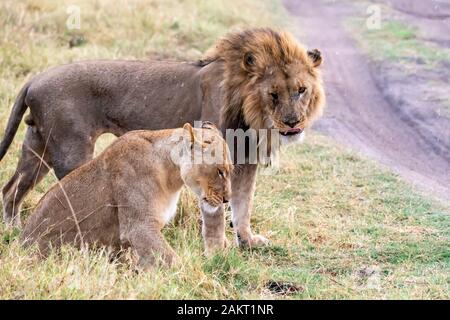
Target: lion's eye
274 96
299 92
220 173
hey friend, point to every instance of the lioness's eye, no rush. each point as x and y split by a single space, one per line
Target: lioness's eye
274 96
220 173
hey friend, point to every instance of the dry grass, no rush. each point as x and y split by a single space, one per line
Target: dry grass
341 227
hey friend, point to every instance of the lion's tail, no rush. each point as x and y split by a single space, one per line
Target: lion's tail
16 116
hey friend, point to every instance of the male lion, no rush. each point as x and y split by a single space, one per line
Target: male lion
256 78
128 193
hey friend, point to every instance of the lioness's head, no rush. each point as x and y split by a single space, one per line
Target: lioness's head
271 81
208 170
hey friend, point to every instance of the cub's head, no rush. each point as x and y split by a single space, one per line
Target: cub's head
271 81
209 167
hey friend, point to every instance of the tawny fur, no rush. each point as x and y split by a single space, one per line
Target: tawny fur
125 196
231 86
271 53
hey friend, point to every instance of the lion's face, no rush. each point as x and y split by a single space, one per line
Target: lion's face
208 174
286 97
271 80
212 183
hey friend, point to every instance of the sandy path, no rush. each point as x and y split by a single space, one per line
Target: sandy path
358 114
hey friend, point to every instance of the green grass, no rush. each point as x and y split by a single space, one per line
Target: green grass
401 44
331 216
397 42
340 226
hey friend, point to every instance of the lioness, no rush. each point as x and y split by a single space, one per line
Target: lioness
256 78
129 192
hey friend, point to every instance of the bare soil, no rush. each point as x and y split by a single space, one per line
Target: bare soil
374 108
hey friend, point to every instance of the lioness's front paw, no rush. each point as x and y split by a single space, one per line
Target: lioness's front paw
254 240
167 259
212 247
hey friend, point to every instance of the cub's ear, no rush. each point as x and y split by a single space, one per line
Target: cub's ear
316 57
188 128
248 61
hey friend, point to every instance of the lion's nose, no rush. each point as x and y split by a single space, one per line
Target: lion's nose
291 122
226 197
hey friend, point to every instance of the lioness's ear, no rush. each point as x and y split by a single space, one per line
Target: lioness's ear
188 128
208 125
316 57
248 61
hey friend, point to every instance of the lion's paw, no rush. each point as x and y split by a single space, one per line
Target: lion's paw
255 240
259 241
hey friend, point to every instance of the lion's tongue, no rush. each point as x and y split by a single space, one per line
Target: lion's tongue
291 131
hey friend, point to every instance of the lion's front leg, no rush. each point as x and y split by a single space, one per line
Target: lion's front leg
213 230
243 188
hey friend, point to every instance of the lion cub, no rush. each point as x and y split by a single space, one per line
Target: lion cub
125 196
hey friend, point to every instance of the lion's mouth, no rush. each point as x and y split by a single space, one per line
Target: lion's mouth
213 200
290 132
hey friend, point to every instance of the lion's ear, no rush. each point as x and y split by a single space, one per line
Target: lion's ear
248 61
316 57
188 128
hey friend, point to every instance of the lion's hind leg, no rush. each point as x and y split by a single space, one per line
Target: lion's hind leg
32 167
71 151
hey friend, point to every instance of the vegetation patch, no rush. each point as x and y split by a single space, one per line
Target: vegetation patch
340 225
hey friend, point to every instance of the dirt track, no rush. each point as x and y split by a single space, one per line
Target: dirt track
360 114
